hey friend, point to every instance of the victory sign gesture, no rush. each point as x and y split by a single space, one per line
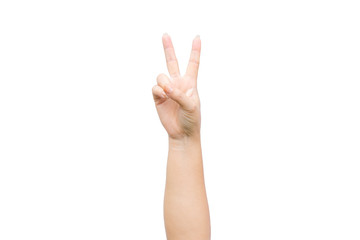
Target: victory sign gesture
176 97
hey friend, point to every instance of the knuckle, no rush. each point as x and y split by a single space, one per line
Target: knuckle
172 60
195 62
160 76
192 107
154 88
161 79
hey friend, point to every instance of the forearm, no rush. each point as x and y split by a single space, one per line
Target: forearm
186 210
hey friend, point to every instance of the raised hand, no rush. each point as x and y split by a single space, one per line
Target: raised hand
176 97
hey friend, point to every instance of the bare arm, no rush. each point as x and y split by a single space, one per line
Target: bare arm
186 211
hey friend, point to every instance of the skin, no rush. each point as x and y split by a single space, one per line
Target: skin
186 211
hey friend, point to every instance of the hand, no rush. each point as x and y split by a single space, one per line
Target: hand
176 98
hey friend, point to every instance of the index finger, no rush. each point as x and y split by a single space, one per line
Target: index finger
193 66
171 60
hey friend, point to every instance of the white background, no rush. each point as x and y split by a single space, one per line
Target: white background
82 151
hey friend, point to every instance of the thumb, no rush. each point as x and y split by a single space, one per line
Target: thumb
181 98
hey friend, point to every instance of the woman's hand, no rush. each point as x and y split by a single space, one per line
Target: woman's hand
176 98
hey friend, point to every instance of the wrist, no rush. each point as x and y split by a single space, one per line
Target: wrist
184 142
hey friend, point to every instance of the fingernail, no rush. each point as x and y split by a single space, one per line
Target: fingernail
197 36
165 34
168 89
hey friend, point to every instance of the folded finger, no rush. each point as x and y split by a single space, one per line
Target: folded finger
163 80
158 93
